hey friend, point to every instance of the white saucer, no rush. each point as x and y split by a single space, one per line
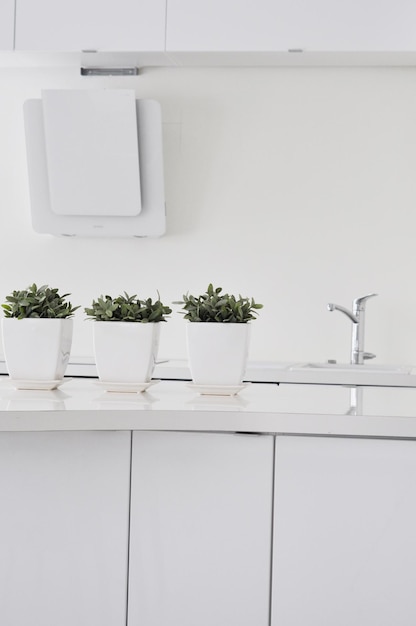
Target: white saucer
125 387
44 385
218 390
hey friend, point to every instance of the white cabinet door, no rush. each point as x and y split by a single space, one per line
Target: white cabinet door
64 528
223 25
6 24
90 24
344 532
281 25
200 530
356 25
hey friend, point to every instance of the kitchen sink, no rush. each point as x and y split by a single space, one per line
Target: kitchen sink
350 374
350 367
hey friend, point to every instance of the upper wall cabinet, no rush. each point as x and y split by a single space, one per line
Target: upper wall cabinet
74 25
217 32
6 24
268 26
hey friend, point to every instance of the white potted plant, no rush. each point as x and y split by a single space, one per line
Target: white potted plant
37 330
126 339
218 336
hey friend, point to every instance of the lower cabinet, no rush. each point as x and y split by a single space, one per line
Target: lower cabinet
206 529
201 518
344 532
188 545
64 505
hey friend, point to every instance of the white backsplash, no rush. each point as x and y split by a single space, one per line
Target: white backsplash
293 185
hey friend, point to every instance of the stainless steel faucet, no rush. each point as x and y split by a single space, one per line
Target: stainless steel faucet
357 317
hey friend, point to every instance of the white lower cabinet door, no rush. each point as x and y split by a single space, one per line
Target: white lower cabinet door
344 532
64 528
200 530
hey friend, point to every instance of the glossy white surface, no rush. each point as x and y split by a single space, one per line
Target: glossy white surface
64 528
349 374
169 405
91 146
217 352
308 372
377 375
200 530
150 222
6 24
125 352
351 367
344 531
24 344
319 25
90 25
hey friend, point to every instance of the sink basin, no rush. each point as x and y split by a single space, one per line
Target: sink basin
349 367
349 374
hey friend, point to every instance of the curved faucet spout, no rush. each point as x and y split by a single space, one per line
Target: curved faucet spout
357 316
337 307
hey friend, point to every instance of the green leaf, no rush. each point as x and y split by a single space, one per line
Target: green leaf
213 307
38 302
128 309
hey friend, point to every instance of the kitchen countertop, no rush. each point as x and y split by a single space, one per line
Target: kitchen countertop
81 404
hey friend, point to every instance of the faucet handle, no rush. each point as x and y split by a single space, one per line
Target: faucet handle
359 303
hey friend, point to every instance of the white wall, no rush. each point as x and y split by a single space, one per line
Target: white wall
295 186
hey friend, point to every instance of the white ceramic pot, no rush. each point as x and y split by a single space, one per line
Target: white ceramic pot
126 352
36 348
217 352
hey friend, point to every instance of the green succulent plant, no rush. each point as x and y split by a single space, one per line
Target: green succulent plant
127 309
214 306
42 302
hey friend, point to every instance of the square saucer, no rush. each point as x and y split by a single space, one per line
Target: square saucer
41 385
115 387
218 390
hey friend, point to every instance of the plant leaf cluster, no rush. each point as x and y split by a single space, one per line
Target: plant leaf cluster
214 306
42 302
127 309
